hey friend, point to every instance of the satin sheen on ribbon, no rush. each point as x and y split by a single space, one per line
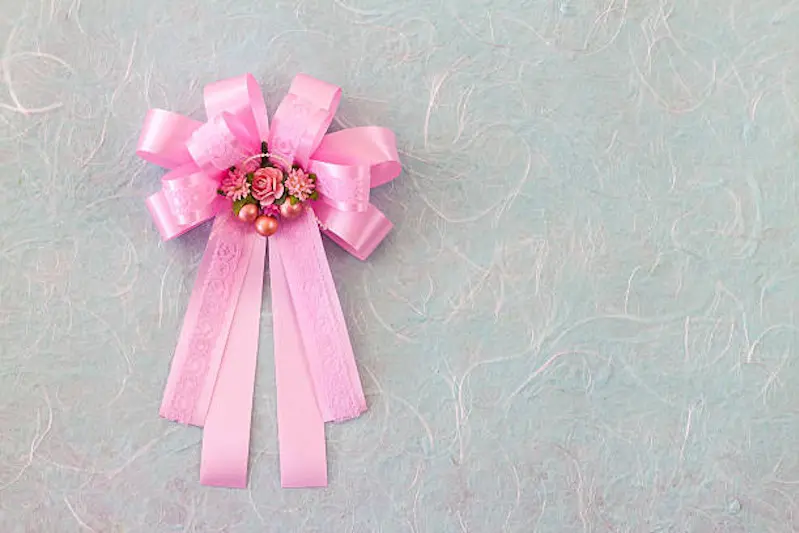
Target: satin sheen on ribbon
212 377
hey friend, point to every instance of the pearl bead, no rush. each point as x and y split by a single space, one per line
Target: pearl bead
248 213
289 210
266 225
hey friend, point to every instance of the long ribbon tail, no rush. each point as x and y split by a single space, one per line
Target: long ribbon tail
214 364
301 430
226 437
317 379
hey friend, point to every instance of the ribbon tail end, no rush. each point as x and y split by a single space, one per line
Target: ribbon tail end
300 484
223 483
226 439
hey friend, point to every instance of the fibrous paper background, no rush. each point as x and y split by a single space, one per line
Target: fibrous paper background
583 321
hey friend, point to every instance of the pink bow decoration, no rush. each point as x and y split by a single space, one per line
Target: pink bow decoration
212 377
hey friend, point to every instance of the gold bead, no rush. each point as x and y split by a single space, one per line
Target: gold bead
248 213
266 225
289 210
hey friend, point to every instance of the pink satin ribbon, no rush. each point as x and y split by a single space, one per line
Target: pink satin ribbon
212 377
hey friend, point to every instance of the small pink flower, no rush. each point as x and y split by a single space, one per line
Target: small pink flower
271 210
300 184
235 185
267 185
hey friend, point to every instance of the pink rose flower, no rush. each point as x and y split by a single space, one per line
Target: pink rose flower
300 184
235 185
267 185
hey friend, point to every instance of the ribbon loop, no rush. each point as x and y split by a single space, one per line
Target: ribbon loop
214 147
370 146
302 119
163 138
358 233
242 97
188 198
346 187
350 162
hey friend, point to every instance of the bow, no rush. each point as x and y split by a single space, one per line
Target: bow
211 380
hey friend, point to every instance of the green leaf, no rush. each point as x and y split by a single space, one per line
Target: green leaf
281 200
294 200
238 204
250 177
314 195
220 192
313 177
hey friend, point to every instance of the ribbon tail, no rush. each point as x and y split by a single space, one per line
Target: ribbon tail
317 379
301 430
211 380
226 437
207 322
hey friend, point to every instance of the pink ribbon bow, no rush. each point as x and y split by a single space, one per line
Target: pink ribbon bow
212 377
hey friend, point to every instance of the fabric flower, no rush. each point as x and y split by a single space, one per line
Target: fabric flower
271 210
299 184
235 185
267 185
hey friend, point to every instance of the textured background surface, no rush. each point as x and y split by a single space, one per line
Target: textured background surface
584 320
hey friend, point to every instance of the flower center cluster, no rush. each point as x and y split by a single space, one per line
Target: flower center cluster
262 191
